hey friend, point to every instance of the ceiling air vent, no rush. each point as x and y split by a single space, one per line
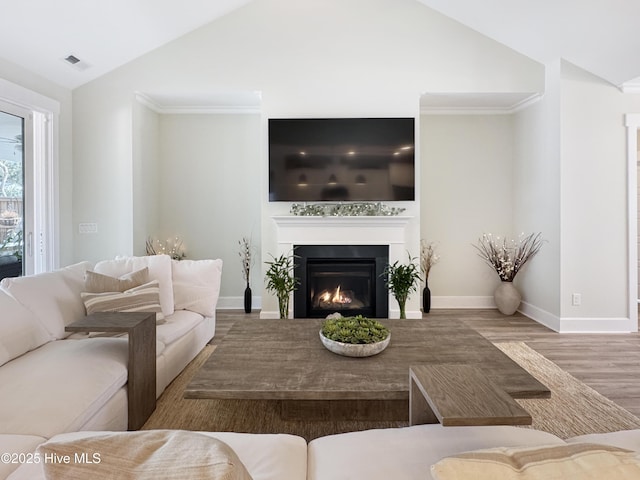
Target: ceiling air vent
76 63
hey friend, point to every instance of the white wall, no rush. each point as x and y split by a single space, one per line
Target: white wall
146 175
571 175
103 171
210 190
536 185
321 58
594 239
467 190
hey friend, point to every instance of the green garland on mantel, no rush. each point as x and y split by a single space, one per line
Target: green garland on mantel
358 209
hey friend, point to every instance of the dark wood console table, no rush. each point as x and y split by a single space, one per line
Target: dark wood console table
141 383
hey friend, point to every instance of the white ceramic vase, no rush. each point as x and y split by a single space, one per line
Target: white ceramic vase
507 298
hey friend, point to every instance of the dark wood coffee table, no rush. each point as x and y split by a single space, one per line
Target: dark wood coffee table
284 360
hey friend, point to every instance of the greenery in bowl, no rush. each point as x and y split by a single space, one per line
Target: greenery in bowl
354 330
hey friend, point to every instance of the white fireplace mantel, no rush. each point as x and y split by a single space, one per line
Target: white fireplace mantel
362 230
295 230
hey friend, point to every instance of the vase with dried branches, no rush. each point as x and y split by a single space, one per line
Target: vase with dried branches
507 257
428 258
246 258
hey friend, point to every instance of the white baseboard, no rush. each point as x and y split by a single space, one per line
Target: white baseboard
576 325
237 303
596 325
541 316
462 302
411 314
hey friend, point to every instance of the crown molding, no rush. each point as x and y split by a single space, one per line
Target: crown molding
191 109
486 110
630 87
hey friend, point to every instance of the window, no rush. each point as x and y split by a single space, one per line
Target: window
12 221
28 202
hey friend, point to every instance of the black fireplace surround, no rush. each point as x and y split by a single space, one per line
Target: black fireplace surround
344 279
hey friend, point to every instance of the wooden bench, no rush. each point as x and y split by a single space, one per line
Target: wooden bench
460 394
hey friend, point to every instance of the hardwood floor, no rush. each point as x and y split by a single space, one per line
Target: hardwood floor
608 363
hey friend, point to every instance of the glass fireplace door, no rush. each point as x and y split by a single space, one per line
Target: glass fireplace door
346 287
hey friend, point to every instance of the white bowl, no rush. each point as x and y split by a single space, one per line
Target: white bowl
355 350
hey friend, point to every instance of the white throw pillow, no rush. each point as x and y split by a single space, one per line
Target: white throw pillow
196 285
54 297
20 331
159 269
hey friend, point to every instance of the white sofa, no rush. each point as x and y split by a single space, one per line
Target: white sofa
397 453
52 382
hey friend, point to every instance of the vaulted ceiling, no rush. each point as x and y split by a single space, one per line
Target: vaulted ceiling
599 36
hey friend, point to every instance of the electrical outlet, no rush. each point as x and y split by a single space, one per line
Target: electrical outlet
576 299
87 228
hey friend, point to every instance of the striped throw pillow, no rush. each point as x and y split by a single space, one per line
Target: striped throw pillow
582 461
144 298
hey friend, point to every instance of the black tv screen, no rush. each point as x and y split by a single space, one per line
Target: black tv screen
341 159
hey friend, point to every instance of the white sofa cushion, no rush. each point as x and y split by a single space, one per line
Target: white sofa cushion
404 453
59 386
159 269
54 297
20 331
196 285
15 445
266 456
177 325
629 439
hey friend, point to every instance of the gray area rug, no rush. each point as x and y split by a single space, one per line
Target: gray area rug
574 408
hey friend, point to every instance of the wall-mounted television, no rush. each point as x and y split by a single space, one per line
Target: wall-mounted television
341 159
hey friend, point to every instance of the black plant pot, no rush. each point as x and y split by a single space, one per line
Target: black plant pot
426 299
247 299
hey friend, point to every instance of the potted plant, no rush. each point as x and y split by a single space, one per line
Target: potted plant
507 257
281 281
402 280
354 336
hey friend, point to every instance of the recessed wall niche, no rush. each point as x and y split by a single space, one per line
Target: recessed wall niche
192 157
